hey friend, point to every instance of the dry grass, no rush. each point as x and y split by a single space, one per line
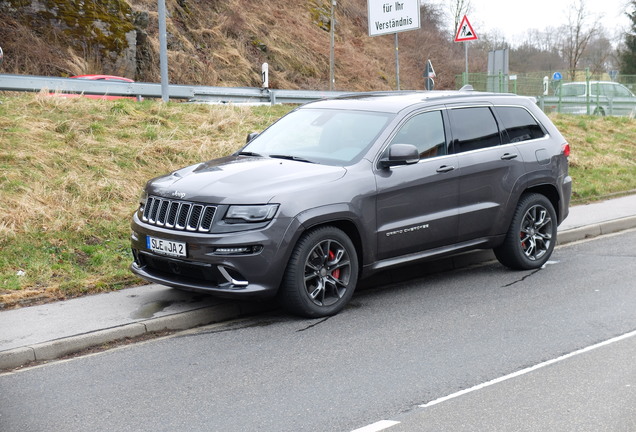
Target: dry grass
70 174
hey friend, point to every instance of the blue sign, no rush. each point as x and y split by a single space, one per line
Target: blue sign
557 76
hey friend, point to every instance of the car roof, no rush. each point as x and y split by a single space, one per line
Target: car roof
396 101
592 82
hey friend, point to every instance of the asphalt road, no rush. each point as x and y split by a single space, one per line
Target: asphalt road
379 363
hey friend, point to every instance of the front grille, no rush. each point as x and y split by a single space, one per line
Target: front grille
178 215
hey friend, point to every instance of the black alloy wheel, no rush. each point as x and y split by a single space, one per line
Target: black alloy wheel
532 234
321 275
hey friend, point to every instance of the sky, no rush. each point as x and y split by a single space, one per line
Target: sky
513 18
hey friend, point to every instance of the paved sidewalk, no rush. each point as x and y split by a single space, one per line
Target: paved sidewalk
53 330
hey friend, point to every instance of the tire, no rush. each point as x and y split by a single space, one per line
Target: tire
599 112
321 275
532 234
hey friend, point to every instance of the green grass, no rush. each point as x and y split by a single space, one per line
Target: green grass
603 158
71 171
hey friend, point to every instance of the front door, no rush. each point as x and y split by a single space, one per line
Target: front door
417 204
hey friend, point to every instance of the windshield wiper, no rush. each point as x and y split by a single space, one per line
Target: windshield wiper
247 153
290 157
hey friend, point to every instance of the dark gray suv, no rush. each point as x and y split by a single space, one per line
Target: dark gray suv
339 189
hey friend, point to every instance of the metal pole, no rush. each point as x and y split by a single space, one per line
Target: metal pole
163 50
332 55
466 56
397 62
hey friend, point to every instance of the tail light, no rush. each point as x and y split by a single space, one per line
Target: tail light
565 149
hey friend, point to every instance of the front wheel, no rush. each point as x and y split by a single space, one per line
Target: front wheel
532 234
321 275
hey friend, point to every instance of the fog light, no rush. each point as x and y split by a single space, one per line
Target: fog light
237 250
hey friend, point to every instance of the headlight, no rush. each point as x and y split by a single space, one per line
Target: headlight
143 197
251 213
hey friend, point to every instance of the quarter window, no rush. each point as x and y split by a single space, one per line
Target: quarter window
473 129
519 124
426 132
620 91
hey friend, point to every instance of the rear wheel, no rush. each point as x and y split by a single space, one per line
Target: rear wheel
532 234
321 275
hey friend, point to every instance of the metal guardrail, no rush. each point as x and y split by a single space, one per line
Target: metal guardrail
30 83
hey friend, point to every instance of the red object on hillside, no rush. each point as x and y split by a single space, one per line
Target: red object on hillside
100 78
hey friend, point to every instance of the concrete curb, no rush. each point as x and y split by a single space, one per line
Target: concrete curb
595 230
51 350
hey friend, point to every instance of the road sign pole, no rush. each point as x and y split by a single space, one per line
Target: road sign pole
163 50
397 62
464 34
466 57
332 54
385 17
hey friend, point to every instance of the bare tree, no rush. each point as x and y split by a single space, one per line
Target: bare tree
547 40
458 8
578 32
600 56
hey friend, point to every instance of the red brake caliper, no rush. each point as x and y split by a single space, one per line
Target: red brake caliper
336 272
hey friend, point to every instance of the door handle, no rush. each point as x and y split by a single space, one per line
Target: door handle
445 168
509 156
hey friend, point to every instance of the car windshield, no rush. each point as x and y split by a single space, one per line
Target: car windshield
326 136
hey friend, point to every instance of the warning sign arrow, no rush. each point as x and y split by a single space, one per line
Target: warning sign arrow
465 31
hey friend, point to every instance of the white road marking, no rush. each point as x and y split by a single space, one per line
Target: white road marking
378 426
528 370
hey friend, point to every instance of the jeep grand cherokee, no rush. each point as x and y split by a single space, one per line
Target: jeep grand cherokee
339 189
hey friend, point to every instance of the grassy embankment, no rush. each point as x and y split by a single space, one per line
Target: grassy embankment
71 171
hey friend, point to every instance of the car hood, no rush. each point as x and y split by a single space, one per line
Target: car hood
242 180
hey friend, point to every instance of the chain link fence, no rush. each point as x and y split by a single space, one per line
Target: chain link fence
587 94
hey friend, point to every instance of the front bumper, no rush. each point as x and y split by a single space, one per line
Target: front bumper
256 273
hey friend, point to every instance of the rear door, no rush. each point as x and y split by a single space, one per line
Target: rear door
489 170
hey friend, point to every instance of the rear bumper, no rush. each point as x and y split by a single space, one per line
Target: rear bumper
566 194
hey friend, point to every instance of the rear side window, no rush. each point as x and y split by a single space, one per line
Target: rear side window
620 91
473 129
519 124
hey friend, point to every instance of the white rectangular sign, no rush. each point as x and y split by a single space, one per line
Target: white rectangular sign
392 16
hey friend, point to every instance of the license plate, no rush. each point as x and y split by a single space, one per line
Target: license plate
166 247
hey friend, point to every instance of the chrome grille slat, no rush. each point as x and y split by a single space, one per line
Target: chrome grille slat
195 217
178 215
206 219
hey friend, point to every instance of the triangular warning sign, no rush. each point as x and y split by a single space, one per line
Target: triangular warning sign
465 31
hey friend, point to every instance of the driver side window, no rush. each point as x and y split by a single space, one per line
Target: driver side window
426 132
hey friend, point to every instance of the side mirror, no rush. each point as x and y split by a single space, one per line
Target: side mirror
400 154
251 136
